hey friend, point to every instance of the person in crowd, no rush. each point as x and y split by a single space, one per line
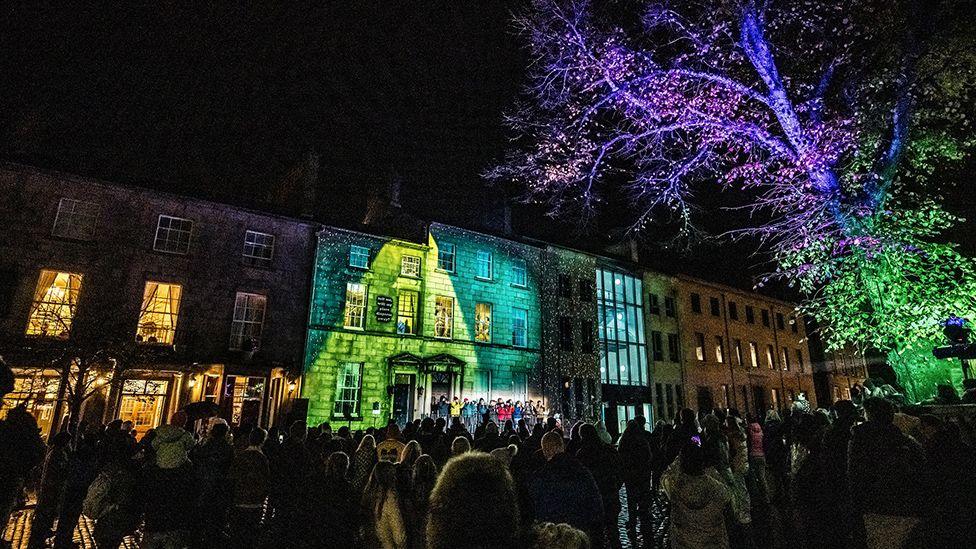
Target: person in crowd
505 454
424 479
490 439
472 505
522 429
469 414
635 462
686 429
602 461
455 409
383 526
362 463
290 468
563 474
168 489
435 407
332 506
518 411
887 477
951 465
777 457
461 445
82 469
969 391
483 411
53 475
444 408
547 535
212 459
250 479
698 501
404 468
603 433
756 477
530 413
735 435
112 500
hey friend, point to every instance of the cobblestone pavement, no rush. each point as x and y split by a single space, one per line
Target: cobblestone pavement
18 532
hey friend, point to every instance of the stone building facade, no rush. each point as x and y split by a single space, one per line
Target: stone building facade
664 342
741 350
835 373
395 325
156 299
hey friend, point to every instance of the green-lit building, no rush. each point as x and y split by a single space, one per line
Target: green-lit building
394 324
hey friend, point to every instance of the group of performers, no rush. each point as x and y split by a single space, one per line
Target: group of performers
481 411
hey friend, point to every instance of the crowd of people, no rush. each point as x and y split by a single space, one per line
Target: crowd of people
868 476
472 413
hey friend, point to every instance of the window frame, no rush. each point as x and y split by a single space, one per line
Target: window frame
519 265
670 307
674 347
479 335
342 376
719 349
358 251
348 309
168 230
750 314
715 306
73 215
657 345
695 302
479 262
448 320
700 346
174 316
733 311
520 326
442 253
415 263
249 256
401 294
41 309
237 339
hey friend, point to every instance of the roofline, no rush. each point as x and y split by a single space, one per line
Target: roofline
88 180
727 288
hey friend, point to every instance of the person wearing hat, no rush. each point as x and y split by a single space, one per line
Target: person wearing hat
168 490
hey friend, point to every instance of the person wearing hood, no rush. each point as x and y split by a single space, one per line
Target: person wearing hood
603 462
635 458
601 431
698 502
168 488
560 476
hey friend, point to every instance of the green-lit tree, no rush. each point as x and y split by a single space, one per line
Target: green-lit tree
832 118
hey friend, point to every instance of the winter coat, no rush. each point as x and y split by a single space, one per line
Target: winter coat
360 469
604 464
211 461
517 413
52 479
250 478
635 457
887 471
456 406
755 434
697 509
166 496
332 512
564 491
112 499
389 528
172 444
444 408
468 410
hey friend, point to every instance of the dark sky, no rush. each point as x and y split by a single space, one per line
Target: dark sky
221 101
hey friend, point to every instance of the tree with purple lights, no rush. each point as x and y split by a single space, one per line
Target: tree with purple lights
829 118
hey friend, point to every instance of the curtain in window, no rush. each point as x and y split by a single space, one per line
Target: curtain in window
74 287
149 296
44 283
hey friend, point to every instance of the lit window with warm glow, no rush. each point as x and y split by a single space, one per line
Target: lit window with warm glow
53 307
355 315
482 322
159 313
443 317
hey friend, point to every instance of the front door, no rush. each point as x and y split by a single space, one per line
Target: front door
403 398
442 384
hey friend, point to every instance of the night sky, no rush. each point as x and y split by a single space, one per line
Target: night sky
220 102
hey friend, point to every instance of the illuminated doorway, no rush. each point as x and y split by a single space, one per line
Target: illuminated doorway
143 403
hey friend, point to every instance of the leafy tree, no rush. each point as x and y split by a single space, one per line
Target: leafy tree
830 118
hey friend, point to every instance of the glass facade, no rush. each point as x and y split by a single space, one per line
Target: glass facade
623 353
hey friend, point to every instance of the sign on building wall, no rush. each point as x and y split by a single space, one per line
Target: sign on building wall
384 308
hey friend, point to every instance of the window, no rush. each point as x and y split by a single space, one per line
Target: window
657 346
520 327
406 312
359 257
780 323
258 249
733 311
520 275
775 398
410 266
770 357
750 315
765 317
714 306
482 384
565 286
443 317
737 348
446 254
700 346
76 219
483 264
565 333
719 350
674 355
653 305
355 315
726 401
659 400
799 360
671 390
753 354
159 313
695 303
482 322
670 307
245 331
785 357
349 383
586 290
794 325
53 307
586 328
173 235
620 317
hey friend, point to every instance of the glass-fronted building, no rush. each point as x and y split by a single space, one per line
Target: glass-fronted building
624 372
